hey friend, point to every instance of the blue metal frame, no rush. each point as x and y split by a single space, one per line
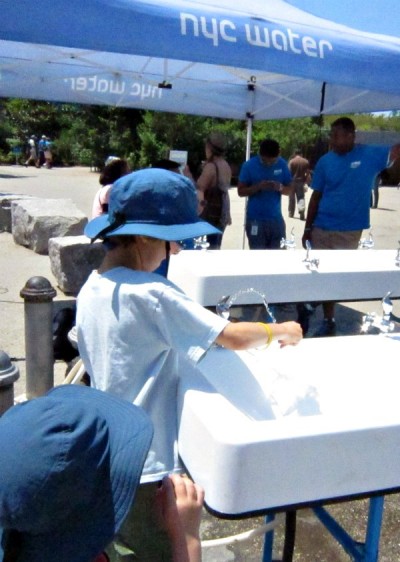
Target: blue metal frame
359 552
268 540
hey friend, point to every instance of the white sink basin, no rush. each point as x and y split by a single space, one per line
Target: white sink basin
282 427
283 276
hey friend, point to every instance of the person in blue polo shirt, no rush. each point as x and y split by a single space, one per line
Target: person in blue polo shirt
338 210
264 179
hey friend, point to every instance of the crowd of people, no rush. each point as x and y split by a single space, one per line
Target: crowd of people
82 481
39 153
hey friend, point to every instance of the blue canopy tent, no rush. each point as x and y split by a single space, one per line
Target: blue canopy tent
259 59
267 59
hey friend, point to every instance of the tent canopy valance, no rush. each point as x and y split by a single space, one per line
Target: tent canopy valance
266 60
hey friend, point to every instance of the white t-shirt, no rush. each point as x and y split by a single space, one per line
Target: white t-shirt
137 334
101 198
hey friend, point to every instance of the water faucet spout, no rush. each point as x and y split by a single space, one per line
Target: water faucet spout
289 243
383 323
397 260
311 263
367 243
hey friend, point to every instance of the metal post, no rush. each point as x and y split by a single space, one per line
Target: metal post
9 373
375 515
249 132
268 540
38 295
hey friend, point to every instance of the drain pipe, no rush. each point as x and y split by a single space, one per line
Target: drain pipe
38 295
9 373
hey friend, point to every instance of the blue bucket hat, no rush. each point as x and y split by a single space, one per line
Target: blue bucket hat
70 464
151 202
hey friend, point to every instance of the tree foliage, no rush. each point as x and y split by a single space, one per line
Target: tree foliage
81 134
87 134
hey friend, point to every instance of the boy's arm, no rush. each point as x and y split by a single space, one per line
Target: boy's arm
245 335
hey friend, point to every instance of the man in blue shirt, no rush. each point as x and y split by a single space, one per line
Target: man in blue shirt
338 210
264 179
42 147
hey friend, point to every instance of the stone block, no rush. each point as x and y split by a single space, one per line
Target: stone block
72 259
35 221
5 209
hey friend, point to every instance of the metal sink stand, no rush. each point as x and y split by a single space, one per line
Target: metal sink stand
358 551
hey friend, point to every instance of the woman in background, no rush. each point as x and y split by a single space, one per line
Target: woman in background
213 185
114 169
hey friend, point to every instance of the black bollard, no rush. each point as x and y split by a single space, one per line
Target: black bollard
9 373
38 295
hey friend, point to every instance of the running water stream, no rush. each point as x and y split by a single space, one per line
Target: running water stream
225 303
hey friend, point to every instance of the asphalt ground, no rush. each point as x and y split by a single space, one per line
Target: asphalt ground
18 264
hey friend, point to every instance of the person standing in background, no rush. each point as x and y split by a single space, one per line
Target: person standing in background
48 155
300 169
32 153
166 164
113 170
42 147
264 179
213 188
338 210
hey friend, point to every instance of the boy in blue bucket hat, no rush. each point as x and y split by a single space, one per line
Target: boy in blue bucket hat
137 331
70 464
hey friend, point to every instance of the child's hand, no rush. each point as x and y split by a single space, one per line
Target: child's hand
179 503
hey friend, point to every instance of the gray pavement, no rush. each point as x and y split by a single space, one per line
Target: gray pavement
18 264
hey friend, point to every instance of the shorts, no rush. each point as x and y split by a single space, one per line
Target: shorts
335 239
140 532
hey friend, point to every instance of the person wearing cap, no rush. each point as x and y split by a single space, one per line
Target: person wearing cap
70 465
48 154
264 179
213 186
137 332
32 153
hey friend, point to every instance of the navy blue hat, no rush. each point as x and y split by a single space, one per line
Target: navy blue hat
70 464
151 202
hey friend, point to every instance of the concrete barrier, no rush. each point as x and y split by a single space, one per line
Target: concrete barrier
5 209
35 221
72 259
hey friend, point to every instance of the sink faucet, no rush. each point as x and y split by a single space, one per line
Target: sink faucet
367 243
311 263
397 261
201 242
383 323
288 244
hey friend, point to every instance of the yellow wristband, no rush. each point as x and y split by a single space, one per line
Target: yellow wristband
267 328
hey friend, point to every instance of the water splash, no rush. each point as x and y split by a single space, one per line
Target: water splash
225 303
201 243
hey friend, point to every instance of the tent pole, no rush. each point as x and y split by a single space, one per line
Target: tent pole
249 131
